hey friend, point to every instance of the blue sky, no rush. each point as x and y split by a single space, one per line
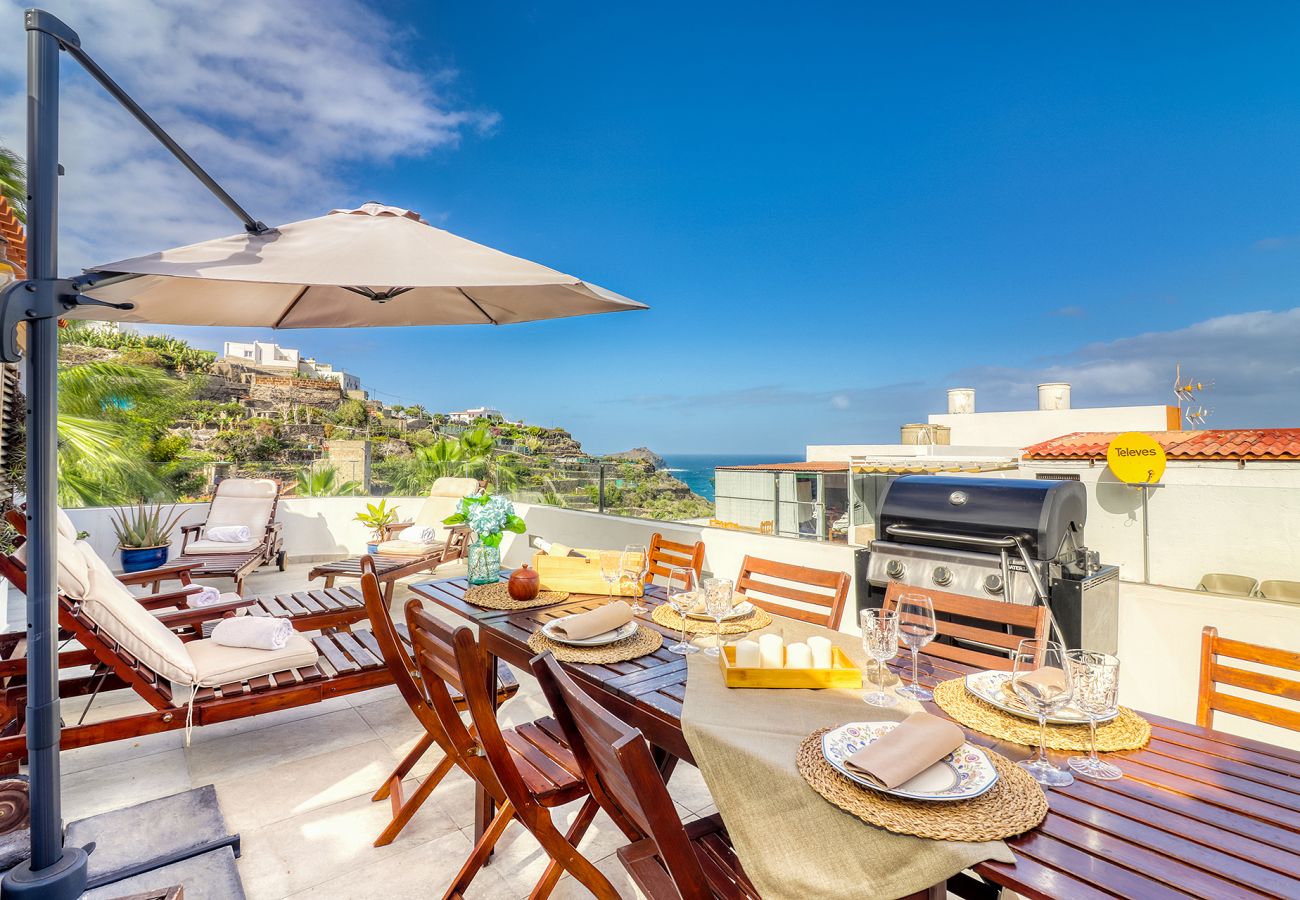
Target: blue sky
835 213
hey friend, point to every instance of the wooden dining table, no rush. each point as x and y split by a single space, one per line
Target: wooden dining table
1198 813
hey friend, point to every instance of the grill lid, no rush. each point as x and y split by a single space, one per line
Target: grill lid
1038 512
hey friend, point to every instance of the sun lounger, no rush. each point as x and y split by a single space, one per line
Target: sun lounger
196 682
249 502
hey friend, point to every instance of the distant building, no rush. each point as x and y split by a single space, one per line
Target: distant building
466 416
267 355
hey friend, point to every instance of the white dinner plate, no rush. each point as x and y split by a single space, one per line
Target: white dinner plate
596 640
965 773
995 688
739 611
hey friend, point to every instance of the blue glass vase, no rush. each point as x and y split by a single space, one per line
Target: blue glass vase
484 563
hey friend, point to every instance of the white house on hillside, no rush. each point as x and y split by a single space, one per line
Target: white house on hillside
266 355
466 416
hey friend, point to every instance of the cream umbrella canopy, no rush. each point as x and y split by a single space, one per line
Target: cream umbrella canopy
371 266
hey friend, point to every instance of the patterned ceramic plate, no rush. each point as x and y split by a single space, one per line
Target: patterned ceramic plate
995 688
965 773
596 640
742 608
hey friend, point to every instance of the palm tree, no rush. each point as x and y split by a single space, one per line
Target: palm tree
13 182
323 482
101 462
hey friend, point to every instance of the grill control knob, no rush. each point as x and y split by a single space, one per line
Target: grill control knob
993 584
942 576
895 569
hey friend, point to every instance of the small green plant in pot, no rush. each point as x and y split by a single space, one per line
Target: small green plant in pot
377 517
144 535
489 518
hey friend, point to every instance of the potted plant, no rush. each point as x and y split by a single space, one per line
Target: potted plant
377 517
488 517
144 535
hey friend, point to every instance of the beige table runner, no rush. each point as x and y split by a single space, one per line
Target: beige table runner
792 843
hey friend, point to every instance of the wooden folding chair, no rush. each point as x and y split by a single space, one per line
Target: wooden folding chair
796 592
666 555
979 632
527 770
1213 673
394 645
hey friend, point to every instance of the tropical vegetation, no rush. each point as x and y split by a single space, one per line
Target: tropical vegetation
142 526
324 482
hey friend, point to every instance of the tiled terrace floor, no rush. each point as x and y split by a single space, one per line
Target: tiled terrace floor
296 784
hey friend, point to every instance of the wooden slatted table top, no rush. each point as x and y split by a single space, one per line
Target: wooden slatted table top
1199 813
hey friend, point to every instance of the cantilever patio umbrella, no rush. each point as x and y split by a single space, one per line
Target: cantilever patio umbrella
375 265
372 266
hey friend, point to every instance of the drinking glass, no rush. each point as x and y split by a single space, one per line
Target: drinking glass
880 641
916 628
611 569
719 596
635 565
1040 678
682 597
1096 692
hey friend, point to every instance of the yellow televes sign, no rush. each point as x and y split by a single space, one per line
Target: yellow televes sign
1136 458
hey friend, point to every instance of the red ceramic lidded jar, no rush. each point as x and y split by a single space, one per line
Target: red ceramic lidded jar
524 584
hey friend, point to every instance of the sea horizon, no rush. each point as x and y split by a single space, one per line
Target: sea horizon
696 469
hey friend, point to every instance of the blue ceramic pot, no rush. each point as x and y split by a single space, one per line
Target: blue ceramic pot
138 559
372 549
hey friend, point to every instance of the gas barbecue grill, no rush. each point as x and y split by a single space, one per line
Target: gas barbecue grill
1010 539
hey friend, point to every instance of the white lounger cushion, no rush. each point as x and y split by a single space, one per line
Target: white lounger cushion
203 546
74 574
243 501
444 500
216 664
408 548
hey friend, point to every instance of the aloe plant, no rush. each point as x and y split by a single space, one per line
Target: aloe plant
145 526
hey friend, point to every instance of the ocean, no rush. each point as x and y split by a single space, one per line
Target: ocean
696 469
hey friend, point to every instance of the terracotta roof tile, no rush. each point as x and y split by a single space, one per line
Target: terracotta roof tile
13 232
1217 444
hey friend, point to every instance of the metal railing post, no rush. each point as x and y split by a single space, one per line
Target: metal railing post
600 494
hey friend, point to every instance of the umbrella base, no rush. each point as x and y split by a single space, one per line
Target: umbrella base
65 880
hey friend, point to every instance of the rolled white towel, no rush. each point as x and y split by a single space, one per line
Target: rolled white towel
258 632
229 534
206 596
418 534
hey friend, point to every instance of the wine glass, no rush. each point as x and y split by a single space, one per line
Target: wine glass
611 569
880 641
682 597
1040 678
1096 692
719 596
635 564
916 628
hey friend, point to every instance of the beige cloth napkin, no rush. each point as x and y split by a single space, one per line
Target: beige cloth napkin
1047 682
907 751
598 621
792 842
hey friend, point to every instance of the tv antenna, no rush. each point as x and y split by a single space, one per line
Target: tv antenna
1186 391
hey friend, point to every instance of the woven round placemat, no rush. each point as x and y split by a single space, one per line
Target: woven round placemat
668 617
497 596
1012 806
645 640
1127 731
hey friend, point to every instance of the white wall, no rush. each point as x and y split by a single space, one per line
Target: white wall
1025 427
845 452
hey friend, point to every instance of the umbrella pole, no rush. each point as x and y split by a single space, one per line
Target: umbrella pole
52 871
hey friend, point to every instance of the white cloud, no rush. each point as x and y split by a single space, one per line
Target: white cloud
277 100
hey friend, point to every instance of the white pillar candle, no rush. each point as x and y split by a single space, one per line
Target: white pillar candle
798 656
821 651
769 648
747 655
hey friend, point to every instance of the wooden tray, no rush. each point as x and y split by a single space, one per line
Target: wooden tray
579 575
841 674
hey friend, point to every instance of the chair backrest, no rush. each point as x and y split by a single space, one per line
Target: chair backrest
1214 673
436 647
443 501
978 621
244 501
401 665
1234 585
1275 589
622 775
665 555
797 592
